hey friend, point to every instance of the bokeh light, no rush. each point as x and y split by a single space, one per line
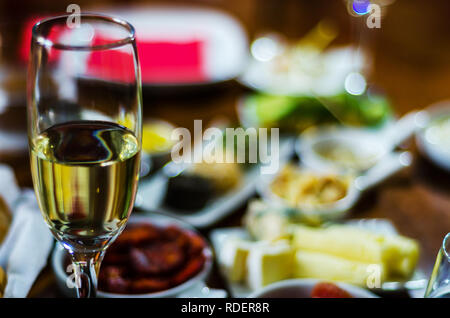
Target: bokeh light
355 84
361 7
264 49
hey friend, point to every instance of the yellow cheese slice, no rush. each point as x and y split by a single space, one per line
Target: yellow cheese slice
233 258
332 268
398 254
341 241
401 255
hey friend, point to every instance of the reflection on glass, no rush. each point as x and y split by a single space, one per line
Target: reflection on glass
439 284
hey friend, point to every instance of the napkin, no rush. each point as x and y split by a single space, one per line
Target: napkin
24 252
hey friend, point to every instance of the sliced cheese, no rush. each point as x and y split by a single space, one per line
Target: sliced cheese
332 268
269 263
233 258
269 225
398 254
341 241
401 255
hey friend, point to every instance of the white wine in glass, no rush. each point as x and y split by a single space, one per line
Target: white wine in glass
84 118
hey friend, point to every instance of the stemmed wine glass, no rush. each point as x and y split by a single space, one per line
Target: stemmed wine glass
439 283
84 130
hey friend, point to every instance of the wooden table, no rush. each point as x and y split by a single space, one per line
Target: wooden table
412 65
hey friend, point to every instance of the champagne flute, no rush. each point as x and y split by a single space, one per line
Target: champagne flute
439 283
84 129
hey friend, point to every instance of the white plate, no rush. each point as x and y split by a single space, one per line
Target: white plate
224 40
381 226
151 193
322 75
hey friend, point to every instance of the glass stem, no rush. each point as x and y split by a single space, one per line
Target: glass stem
86 267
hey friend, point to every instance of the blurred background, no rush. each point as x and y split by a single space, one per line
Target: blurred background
410 48
410 51
410 64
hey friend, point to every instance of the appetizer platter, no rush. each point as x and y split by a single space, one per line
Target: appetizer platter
276 245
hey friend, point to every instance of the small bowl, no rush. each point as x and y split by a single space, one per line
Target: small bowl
369 145
302 288
323 212
59 257
366 144
433 151
389 165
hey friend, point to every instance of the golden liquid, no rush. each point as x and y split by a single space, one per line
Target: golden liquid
85 176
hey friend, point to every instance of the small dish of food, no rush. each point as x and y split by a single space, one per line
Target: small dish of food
315 195
336 148
199 194
306 67
434 137
295 114
198 183
155 256
322 196
311 288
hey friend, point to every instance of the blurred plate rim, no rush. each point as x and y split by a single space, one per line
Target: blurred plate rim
432 151
240 34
